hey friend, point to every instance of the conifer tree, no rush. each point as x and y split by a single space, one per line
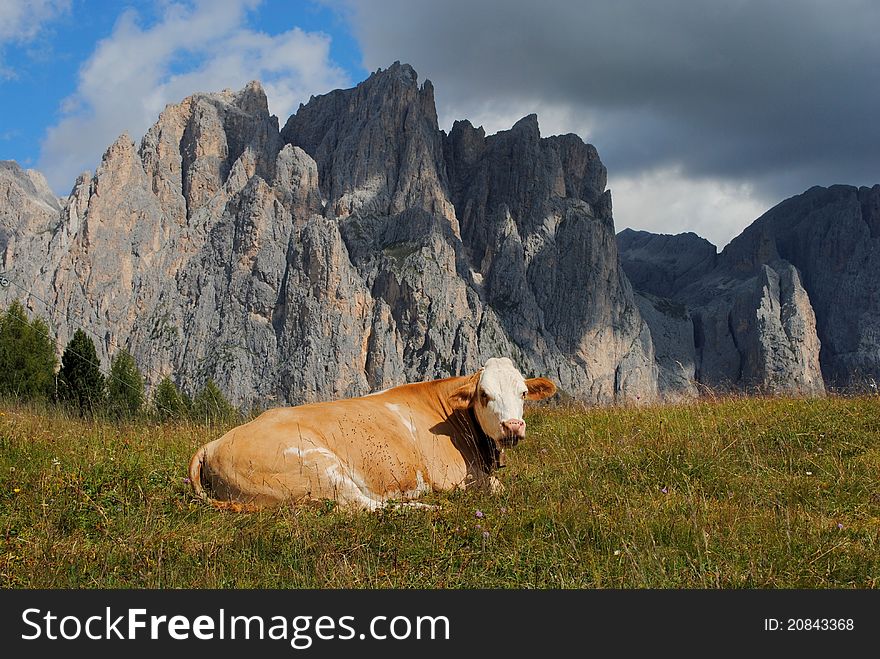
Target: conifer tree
167 401
125 387
211 406
27 355
80 381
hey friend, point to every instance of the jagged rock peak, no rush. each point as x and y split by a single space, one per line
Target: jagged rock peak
377 145
400 72
527 127
465 125
11 166
252 99
644 236
122 146
189 153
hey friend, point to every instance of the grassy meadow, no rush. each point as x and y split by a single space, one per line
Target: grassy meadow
726 493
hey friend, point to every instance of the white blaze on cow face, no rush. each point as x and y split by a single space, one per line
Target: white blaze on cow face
498 403
497 395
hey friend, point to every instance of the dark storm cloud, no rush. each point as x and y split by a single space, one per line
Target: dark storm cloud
783 93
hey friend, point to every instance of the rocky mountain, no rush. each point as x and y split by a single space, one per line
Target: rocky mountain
790 305
357 248
360 246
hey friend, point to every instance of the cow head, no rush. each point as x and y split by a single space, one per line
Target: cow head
496 394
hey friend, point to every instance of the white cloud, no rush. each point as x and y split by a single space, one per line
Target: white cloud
22 20
665 201
136 71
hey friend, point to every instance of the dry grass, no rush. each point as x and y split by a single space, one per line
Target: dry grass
729 493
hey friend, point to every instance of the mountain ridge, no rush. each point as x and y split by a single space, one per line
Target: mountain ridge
359 246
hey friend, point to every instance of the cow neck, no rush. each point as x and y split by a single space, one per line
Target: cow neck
490 454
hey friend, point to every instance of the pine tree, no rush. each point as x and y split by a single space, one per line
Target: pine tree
27 355
167 401
80 381
125 387
211 406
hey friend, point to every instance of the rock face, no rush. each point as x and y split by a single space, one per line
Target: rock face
29 212
790 305
672 332
357 248
661 264
720 326
832 236
755 330
536 223
378 148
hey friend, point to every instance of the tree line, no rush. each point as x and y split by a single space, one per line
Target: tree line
29 370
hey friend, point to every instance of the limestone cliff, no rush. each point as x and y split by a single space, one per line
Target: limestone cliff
357 248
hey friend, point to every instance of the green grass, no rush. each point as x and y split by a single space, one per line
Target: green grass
732 493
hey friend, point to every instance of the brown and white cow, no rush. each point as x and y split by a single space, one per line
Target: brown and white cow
363 452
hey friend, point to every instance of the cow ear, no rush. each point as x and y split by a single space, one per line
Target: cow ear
461 398
539 388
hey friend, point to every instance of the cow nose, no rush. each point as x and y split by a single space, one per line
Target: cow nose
514 427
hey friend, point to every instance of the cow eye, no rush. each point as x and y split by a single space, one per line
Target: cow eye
524 394
484 397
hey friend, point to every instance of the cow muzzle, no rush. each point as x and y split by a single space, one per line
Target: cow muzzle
512 431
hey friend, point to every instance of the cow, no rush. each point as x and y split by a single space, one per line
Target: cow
391 446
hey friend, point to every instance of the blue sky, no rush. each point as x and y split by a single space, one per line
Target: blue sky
44 69
42 72
705 114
